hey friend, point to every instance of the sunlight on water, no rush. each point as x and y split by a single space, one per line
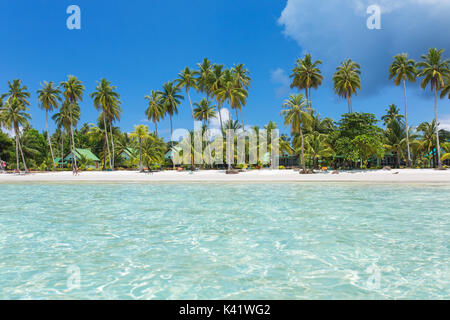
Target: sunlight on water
230 241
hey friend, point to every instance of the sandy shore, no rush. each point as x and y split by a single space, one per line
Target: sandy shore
378 176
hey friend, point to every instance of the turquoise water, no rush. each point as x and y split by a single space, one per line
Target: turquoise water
229 241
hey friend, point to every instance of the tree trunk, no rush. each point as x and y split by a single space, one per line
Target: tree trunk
190 103
48 138
439 162
406 123
140 156
220 116
62 148
107 141
171 142
17 151
302 150
348 101
156 127
398 159
21 151
242 120
74 159
112 145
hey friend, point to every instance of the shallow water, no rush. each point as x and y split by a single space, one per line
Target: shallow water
224 241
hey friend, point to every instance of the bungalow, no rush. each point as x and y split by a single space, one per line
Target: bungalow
86 153
128 153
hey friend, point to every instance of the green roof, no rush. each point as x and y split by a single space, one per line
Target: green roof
129 151
170 152
82 152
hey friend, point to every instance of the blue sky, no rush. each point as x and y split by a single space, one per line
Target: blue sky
139 45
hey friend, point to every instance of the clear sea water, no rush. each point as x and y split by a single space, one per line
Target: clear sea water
224 241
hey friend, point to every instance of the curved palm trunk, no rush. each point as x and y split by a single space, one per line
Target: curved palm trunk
156 127
20 149
242 120
437 129
107 141
140 156
190 103
112 145
406 123
62 148
398 159
220 116
17 152
73 140
48 138
302 150
171 142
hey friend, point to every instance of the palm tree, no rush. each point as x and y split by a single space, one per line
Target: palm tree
186 79
396 138
204 77
446 90
428 141
434 70
216 84
107 101
347 80
17 91
392 114
204 111
63 122
139 134
242 80
73 92
13 114
402 69
306 75
171 99
155 111
229 91
316 147
296 115
48 98
446 147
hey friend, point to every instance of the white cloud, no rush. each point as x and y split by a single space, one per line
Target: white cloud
334 30
444 122
279 76
215 122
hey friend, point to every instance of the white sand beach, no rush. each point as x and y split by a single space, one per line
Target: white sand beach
375 176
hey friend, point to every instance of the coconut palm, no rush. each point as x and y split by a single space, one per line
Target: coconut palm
242 80
402 69
49 98
434 70
107 101
306 75
204 77
428 140
153 149
204 111
396 138
446 90
155 111
18 91
296 115
347 80
73 92
216 84
229 91
392 114
139 134
13 115
186 79
316 146
63 121
446 147
171 99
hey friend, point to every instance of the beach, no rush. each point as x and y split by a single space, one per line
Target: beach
265 175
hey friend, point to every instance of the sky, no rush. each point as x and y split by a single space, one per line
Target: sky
140 45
